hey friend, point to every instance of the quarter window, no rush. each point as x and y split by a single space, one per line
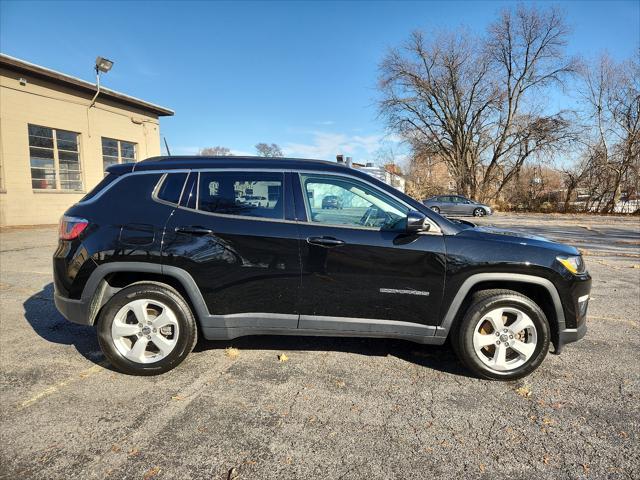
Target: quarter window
117 151
340 201
251 194
171 187
55 159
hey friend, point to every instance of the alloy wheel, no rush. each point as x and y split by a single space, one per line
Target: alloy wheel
505 339
479 212
145 331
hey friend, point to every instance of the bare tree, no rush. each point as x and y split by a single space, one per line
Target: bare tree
427 175
469 99
216 151
573 177
610 95
268 150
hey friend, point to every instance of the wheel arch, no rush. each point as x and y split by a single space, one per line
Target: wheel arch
540 290
108 279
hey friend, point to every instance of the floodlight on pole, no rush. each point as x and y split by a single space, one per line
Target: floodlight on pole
102 65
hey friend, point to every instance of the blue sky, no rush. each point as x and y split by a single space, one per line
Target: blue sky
300 74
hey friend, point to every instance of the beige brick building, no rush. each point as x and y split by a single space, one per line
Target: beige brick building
55 145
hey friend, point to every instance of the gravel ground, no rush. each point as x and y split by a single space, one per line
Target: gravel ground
337 408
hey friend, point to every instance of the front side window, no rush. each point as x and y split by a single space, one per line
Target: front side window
251 194
54 156
117 151
341 201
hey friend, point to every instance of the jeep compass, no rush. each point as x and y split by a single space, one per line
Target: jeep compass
167 249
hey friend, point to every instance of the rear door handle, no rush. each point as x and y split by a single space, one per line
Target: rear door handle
194 230
327 242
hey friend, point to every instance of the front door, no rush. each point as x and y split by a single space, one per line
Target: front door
236 243
357 262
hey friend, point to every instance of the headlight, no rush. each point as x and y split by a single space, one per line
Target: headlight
574 264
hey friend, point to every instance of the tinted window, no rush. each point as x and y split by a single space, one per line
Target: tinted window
171 187
252 194
359 204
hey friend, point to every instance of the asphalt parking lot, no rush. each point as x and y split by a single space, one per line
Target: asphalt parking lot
337 408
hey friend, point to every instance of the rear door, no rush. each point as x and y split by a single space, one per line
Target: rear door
357 262
242 254
457 205
445 204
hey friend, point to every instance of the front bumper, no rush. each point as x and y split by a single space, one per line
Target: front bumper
76 311
570 335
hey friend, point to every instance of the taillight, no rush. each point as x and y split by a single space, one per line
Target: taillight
71 227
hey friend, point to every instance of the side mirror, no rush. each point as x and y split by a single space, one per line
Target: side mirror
416 222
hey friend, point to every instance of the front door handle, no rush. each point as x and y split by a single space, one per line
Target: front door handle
194 230
327 242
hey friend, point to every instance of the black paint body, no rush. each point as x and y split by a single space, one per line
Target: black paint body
246 265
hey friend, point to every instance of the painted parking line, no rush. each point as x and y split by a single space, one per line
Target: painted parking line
58 386
610 319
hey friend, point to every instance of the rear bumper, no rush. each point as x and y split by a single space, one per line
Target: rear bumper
76 311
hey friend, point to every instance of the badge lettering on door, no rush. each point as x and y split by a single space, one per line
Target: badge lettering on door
404 292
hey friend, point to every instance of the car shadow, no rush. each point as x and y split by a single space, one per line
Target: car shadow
46 321
436 357
41 313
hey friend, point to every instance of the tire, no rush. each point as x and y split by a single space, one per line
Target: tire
435 209
487 310
169 323
479 212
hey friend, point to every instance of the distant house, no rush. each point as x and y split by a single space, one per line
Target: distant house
396 181
55 144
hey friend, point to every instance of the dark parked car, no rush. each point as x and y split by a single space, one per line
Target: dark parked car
166 249
332 201
457 205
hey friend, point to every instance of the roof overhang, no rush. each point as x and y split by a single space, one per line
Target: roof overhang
12 63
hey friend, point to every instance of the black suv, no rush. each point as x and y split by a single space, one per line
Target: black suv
168 248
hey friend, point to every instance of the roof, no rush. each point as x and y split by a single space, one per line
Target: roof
197 161
22 66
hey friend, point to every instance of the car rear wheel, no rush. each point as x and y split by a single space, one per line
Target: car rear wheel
479 212
435 209
146 329
504 335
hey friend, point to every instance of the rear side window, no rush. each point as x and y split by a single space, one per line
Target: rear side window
99 187
171 187
250 194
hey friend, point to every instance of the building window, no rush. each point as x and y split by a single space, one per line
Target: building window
117 151
55 159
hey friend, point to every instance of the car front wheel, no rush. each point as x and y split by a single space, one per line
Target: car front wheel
504 335
435 209
146 329
479 212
